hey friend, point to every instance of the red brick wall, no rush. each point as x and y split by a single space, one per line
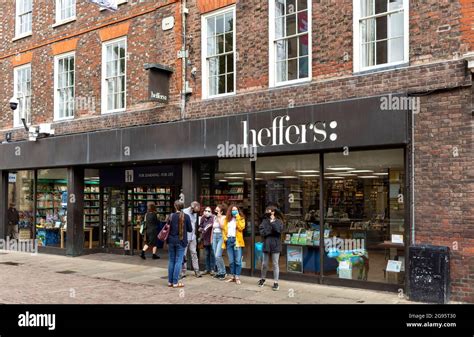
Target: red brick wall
444 182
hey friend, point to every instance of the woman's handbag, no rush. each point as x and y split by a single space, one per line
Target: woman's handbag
142 229
165 232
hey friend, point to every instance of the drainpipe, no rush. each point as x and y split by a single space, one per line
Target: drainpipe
184 11
412 201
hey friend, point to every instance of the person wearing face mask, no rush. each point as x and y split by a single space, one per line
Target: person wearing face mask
217 240
271 228
205 228
193 212
233 237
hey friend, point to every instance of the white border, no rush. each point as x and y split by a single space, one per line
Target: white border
56 98
272 52
356 39
204 65
103 86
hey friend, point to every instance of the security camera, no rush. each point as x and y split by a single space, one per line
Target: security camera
14 103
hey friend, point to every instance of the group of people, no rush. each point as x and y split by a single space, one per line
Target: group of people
218 231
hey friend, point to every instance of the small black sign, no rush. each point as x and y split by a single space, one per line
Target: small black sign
158 82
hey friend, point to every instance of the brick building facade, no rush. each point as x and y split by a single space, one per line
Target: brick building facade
440 35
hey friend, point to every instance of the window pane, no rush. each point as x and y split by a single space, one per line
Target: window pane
368 30
381 28
279 8
302 22
302 5
229 44
222 64
281 47
220 24
122 66
280 27
368 54
291 25
213 66
395 4
211 46
304 73
222 84
396 25
380 6
303 49
230 83
211 26
220 44
397 50
290 6
382 52
230 63
292 69
292 47
229 22
122 49
367 7
213 84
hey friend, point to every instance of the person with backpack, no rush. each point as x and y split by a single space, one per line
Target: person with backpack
177 240
271 228
151 232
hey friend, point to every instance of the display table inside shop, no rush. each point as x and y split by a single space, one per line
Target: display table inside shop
89 230
311 259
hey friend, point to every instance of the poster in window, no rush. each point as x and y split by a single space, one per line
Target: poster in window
294 259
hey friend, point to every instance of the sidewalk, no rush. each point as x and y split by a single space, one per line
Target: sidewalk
117 279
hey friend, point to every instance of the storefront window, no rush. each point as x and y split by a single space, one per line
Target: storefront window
228 182
292 184
364 213
92 208
51 207
20 205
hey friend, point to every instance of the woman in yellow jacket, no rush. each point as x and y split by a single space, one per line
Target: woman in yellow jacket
233 237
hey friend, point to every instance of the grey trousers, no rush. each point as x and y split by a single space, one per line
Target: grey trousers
192 245
275 263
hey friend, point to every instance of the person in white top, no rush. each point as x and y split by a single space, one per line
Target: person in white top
217 241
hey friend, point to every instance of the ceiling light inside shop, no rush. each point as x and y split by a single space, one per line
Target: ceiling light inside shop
309 175
269 172
368 177
347 174
287 177
255 178
361 171
340 178
236 173
306 171
238 178
344 168
380 174
223 181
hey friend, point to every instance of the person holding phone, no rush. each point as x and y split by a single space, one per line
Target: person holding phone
271 228
205 228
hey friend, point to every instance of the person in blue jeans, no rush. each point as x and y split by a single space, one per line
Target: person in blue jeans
233 236
180 225
217 241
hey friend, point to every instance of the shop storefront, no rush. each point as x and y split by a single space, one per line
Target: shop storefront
338 171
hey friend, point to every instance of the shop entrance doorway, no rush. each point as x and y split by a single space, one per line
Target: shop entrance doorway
127 194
